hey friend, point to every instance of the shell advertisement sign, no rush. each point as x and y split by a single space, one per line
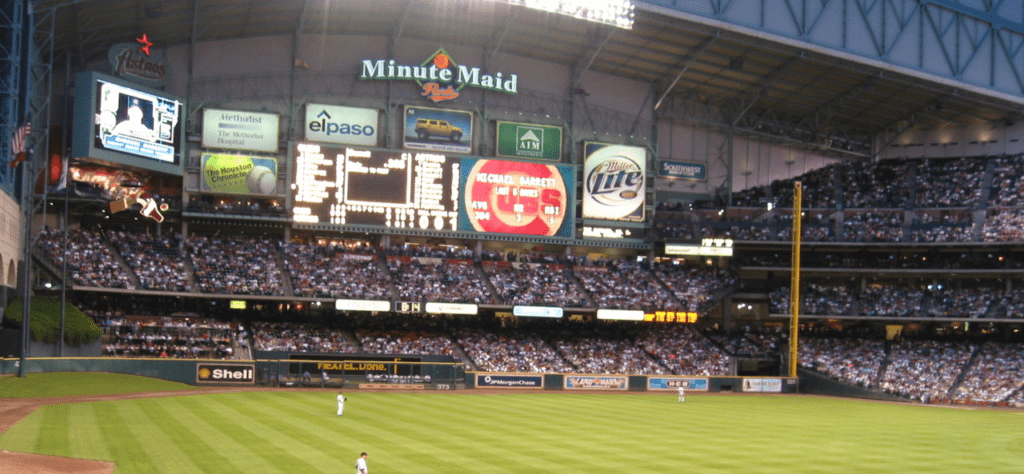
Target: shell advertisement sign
237 174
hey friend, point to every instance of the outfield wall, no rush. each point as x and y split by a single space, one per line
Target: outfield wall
289 372
628 383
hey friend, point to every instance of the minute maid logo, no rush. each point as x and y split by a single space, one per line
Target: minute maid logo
439 76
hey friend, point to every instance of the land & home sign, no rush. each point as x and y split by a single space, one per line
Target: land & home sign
439 76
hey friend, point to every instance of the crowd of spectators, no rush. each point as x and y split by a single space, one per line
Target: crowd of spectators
624 285
433 279
166 337
240 265
157 261
888 299
1004 225
336 270
510 350
949 182
852 360
994 375
299 337
682 349
90 259
971 302
1007 184
534 284
924 370
694 285
604 350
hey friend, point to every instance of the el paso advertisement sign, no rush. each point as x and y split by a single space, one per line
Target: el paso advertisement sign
511 197
524 140
240 130
336 124
614 182
226 373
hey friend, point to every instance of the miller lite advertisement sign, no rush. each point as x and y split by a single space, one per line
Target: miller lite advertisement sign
614 186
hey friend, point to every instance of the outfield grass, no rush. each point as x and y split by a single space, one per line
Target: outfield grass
298 432
61 384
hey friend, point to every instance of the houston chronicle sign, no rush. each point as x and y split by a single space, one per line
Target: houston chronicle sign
439 76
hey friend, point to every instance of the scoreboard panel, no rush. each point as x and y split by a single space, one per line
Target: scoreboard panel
359 186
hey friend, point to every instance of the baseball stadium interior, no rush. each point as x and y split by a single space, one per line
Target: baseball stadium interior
636 189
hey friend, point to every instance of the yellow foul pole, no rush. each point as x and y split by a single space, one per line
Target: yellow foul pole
794 290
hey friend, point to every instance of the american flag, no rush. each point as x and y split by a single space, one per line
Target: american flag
18 143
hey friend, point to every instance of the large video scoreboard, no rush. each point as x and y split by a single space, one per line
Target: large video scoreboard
426 190
356 186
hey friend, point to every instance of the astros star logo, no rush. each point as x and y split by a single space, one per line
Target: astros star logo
146 43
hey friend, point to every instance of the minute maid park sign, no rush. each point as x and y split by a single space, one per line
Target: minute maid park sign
439 76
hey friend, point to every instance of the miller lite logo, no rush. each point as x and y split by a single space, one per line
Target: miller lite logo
614 182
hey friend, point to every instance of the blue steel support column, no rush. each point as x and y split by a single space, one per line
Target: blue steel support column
12 25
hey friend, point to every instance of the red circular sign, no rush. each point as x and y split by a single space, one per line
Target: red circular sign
515 198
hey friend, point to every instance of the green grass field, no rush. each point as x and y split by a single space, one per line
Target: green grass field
298 432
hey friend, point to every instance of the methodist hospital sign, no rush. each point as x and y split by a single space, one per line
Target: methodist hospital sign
439 76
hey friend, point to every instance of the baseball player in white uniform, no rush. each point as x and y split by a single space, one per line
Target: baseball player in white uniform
341 403
682 393
361 465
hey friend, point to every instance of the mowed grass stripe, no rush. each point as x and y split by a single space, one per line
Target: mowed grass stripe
395 419
293 434
237 454
87 440
492 420
206 457
127 451
160 449
495 425
244 432
53 438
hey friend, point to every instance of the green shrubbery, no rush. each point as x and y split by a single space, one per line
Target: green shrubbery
44 322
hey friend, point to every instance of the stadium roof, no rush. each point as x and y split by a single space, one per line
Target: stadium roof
699 72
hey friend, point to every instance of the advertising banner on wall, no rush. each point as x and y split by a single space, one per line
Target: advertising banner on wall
673 383
683 170
438 129
225 373
337 124
509 381
525 140
588 382
236 174
240 130
614 185
511 197
762 385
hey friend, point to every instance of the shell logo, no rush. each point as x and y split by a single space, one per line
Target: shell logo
204 373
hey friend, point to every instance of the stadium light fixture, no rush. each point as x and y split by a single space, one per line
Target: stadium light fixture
609 12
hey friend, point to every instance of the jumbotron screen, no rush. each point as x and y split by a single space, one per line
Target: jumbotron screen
513 197
359 186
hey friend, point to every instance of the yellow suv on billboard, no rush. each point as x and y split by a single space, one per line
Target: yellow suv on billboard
426 128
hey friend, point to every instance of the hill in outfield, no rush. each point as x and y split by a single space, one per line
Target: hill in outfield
289 431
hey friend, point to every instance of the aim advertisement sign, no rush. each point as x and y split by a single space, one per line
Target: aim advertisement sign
614 186
240 130
524 140
234 174
440 78
344 125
